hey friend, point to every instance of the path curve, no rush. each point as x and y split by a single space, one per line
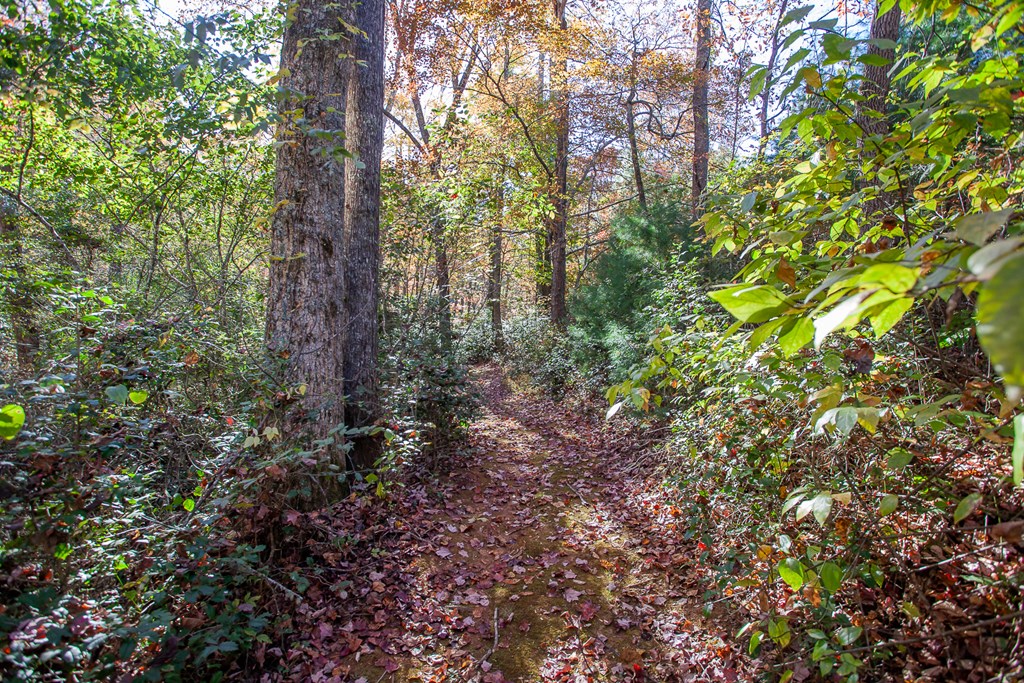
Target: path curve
540 558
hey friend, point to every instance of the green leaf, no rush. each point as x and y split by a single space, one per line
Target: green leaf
821 506
752 304
886 318
1018 450
12 419
778 631
798 337
117 394
831 576
898 458
792 572
189 504
892 276
987 261
1001 323
138 397
888 504
849 635
755 642
966 507
839 316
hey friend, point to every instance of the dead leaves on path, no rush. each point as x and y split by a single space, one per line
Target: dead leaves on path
535 560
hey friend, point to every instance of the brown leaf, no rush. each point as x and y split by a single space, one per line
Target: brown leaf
786 273
1009 532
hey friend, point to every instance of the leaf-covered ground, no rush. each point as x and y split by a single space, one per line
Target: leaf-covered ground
542 557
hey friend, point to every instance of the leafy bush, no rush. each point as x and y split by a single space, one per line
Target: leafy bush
843 446
612 315
113 491
425 384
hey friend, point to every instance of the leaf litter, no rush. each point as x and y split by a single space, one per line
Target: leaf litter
535 558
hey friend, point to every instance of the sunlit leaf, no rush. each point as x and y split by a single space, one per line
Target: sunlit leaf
831 576
966 507
888 505
12 419
1001 323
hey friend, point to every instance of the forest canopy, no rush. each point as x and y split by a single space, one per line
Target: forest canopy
515 340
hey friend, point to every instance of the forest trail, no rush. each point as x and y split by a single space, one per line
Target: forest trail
543 562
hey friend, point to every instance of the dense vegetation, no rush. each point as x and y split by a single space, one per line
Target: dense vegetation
259 262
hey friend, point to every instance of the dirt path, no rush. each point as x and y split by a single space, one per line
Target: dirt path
542 560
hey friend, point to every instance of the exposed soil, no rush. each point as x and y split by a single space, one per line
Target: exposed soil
542 557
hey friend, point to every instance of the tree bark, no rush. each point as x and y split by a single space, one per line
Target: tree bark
494 275
322 297
560 199
364 137
701 77
634 151
874 90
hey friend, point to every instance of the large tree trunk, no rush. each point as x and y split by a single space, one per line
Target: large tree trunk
494 274
877 80
18 300
322 298
364 136
701 77
874 90
560 195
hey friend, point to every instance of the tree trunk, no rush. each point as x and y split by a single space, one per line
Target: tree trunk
874 90
701 77
769 81
364 136
875 86
634 151
322 297
494 274
560 198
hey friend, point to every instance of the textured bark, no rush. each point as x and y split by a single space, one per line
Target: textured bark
18 300
874 89
494 275
701 76
877 80
364 128
322 298
560 192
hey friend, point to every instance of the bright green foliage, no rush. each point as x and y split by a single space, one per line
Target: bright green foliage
612 311
869 268
12 419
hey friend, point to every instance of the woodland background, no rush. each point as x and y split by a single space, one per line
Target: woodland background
781 242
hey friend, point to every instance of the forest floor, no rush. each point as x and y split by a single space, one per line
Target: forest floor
546 555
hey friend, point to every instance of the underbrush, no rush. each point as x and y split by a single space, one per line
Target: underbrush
854 504
145 529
